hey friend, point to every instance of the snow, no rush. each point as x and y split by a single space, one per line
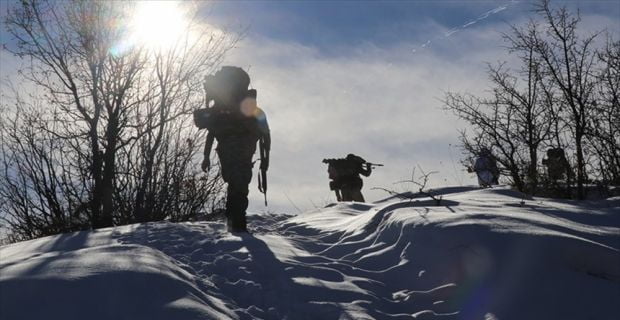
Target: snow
481 254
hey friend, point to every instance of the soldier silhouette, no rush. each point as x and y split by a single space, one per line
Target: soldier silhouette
237 123
345 180
558 167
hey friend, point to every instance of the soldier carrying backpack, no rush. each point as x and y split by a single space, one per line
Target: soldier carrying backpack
557 166
237 123
344 174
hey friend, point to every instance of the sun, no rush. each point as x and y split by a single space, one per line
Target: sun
158 24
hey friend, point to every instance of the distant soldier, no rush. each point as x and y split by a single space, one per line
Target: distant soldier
345 180
237 123
486 169
557 165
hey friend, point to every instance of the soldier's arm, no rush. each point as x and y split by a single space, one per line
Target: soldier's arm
206 162
366 170
263 126
265 136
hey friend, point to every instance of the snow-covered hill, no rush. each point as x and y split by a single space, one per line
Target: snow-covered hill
482 254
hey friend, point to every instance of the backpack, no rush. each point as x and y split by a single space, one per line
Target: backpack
229 119
339 168
205 118
557 165
223 122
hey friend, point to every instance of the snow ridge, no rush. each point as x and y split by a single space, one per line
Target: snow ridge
482 254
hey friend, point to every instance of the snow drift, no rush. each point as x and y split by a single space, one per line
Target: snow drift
480 254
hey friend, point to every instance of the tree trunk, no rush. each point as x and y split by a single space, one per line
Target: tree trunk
96 170
109 170
580 163
518 182
532 169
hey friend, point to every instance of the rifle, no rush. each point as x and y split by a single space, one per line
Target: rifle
328 161
262 175
374 165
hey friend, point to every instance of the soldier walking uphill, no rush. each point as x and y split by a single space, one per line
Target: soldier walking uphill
237 123
345 180
486 169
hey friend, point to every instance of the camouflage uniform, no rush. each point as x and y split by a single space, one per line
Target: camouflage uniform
486 169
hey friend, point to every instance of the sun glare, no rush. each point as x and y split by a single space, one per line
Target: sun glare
158 24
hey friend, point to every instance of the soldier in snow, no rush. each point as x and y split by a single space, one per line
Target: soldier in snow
344 174
237 123
486 168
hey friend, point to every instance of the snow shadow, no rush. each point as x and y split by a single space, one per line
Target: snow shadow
56 244
244 271
436 192
109 295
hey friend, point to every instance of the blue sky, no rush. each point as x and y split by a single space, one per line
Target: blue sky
334 25
366 77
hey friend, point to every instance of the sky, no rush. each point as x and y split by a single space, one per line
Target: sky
366 77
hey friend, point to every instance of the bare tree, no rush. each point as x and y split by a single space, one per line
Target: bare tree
551 101
569 60
604 129
513 121
113 124
37 190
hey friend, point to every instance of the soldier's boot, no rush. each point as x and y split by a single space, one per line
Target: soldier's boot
236 224
236 204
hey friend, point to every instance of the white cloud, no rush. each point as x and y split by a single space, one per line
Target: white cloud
380 103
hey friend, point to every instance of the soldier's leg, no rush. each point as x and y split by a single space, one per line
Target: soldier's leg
356 195
354 189
237 172
338 194
225 170
236 205
238 190
357 190
335 186
346 194
484 178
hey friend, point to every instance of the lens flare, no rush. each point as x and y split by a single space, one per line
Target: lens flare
158 24
249 108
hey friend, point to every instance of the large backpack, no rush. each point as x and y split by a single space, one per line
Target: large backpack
221 119
557 165
205 118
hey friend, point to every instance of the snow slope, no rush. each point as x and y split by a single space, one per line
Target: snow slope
482 254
